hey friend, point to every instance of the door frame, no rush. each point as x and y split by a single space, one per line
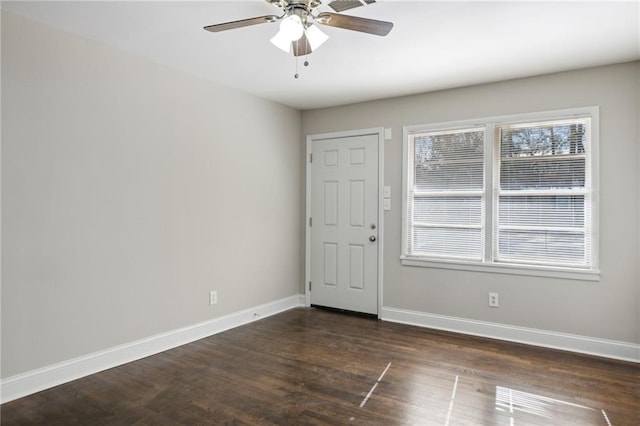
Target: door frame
379 131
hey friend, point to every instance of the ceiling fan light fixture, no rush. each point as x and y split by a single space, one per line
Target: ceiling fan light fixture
281 41
315 37
292 27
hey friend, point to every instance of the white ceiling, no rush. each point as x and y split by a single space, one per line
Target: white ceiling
433 45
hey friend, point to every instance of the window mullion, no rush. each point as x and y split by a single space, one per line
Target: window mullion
490 192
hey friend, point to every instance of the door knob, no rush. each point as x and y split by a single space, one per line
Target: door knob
372 238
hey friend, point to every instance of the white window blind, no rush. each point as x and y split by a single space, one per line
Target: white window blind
446 195
542 203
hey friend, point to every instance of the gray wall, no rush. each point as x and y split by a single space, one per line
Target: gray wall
130 190
606 309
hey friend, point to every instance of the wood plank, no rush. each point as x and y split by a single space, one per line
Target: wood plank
312 366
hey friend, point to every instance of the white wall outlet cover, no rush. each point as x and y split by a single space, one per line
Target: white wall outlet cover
493 300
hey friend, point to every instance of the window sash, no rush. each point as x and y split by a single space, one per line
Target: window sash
445 216
543 216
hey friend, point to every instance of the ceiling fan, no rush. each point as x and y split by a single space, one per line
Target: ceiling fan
298 31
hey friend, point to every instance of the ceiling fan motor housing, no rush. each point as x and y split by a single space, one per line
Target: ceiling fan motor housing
286 4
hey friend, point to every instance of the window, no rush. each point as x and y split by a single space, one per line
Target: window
511 194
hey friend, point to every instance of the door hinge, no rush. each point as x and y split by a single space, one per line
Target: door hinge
311 158
309 285
310 222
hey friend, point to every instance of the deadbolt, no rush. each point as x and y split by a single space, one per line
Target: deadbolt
373 226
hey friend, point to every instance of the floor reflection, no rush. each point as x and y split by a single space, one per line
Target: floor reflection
429 398
522 407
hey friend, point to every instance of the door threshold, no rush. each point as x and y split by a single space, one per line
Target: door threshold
346 311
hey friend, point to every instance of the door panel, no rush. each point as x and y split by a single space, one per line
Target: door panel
330 260
344 212
356 203
356 266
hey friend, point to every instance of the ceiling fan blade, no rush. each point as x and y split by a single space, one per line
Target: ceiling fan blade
355 23
342 5
301 46
241 23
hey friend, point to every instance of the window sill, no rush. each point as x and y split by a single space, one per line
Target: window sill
547 272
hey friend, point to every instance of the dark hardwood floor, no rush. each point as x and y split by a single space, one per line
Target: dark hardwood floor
310 366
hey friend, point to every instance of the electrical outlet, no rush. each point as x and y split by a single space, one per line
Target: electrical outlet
493 300
213 297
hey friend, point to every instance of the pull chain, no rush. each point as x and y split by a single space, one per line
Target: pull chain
306 60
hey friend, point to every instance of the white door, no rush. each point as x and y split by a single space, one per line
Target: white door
344 223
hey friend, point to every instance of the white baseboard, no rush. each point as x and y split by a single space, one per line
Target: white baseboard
587 345
43 378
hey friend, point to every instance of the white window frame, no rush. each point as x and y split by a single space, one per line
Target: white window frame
490 196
